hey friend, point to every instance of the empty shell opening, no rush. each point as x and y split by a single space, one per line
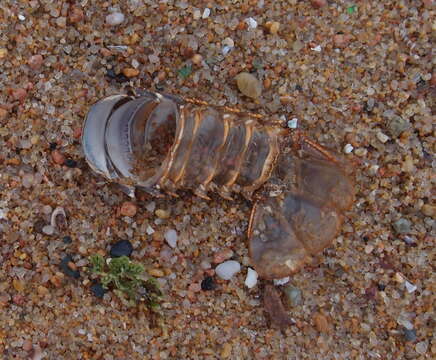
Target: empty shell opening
159 137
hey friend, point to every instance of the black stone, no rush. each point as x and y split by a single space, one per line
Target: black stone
298 87
208 283
381 287
111 74
98 290
66 269
71 163
121 248
53 146
67 239
409 335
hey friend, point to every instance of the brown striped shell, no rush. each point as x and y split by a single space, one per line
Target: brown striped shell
161 144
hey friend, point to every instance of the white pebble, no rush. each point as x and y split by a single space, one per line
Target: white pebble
149 230
282 281
228 42
317 48
251 23
21 17
197 14
251 279
115 18
348 148
227 269
171 237
206 13
382 137
293 123
410 287
48 230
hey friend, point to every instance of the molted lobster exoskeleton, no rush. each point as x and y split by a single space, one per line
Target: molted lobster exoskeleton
160 143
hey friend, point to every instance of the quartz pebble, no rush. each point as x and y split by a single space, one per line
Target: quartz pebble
35 62
348 148
402 226
128 209
206 13
293 295
171 237
283 281
227 269
251 279
116 18
248 85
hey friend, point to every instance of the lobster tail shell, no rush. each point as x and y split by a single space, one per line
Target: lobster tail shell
161 144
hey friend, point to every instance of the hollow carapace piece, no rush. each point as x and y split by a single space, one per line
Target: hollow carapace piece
162 144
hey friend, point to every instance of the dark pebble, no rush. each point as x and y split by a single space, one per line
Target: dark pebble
67 239
98 290
381 287
208 284
38 225
298 87
66 269
53 146
409 335
111 74
71 163
121 248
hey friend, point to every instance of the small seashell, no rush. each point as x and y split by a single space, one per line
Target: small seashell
59 219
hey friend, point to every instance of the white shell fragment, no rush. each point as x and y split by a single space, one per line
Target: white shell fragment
251 279
171 237
115 18
410 287
58 218
227 269
293 123
282 281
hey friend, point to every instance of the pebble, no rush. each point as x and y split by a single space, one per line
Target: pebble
428 210
58 157
3 53
402 226
321 323
272 27
382 137
293 123
197 59
171 237
98 290
293 295
208 284
67 239
340 40
71 163
67 268
421 347
162 214
35 62
76 15
282 281
252 24
206 13
248 85
128 209
228 42
226 351
19 94
410 287
121 248
3 114
397 125
48 230
317 48
156 273
251 279
115 18
348 148
18 285
27 345
149 230
227 269
318 3
409 334
130 72
222 255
